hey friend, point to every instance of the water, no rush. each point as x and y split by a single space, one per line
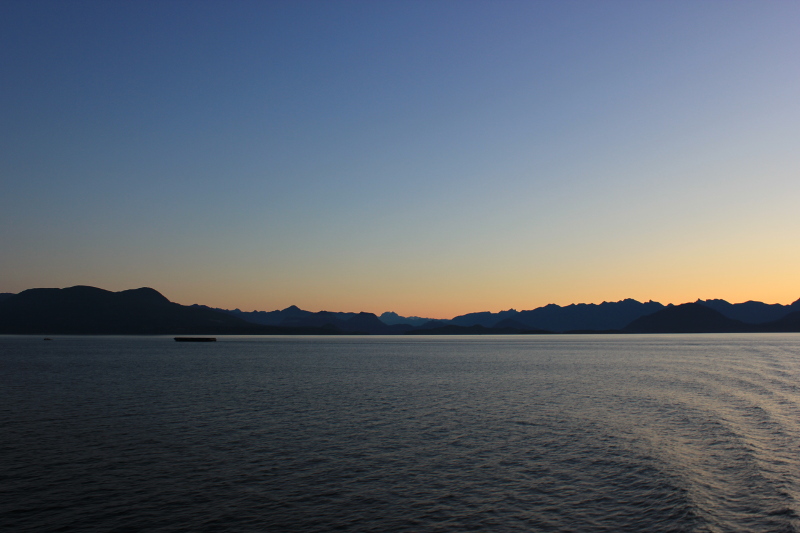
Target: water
514 433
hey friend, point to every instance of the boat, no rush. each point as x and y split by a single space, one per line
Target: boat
195 339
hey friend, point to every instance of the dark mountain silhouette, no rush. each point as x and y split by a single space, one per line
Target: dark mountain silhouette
607 317
751 312
484 318
552 317
89 310
322 318
269 318
604 316
789 323
371 324
292 316
4 295
391 318
96 311
364 323
92 311
687 318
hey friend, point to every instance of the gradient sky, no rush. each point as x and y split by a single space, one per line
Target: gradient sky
426 157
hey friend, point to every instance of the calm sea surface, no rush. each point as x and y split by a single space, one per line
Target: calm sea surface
506 433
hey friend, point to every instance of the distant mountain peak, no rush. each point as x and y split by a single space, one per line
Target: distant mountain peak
713 300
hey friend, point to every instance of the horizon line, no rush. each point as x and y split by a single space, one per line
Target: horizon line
420 315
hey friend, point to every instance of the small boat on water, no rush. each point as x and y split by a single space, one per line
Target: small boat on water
195 339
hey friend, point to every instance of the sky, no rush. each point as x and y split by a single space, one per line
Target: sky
430 158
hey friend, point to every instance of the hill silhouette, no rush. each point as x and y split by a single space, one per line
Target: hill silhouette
294 317
369 323
687 318
269 318
484 318
360 323
391 318
751 312
788 323
92 311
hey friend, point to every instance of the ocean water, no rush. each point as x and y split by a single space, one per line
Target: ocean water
506 433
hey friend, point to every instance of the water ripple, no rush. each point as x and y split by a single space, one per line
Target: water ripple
558 433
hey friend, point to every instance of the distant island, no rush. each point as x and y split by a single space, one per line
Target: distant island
84 310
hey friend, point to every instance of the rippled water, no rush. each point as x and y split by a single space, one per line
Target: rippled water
517 433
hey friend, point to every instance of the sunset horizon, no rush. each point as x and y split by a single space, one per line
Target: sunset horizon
378 310
423 158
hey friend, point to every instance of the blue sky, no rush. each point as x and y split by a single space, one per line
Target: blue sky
429 158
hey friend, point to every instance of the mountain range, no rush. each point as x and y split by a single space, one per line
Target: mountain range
575 318
90 310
